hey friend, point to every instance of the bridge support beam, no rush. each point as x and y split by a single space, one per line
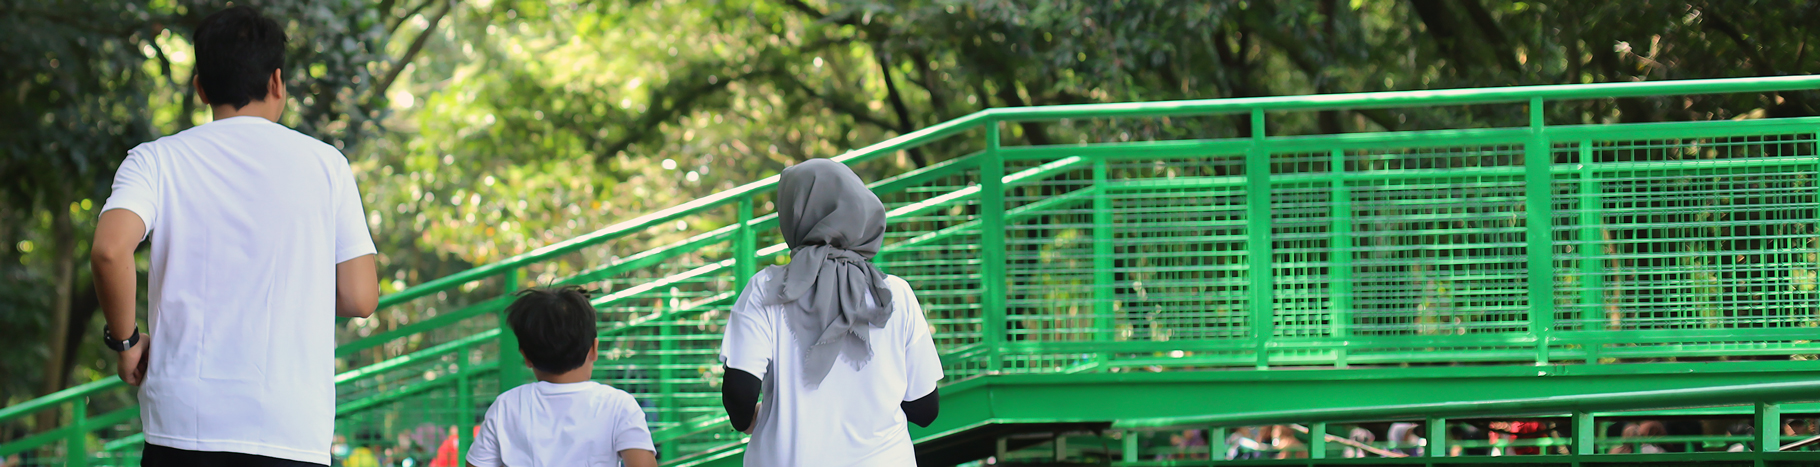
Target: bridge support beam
1769 427
1585 432
1437 438
1317 440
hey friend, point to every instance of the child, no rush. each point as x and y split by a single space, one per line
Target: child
562 419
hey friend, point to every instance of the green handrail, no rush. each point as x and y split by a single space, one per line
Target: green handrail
59 397
1396 99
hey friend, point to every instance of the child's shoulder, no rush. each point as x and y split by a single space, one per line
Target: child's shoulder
608 391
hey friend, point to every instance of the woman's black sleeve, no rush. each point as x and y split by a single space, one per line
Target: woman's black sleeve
739 395
922 411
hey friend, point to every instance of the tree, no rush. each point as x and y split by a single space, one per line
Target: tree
86 82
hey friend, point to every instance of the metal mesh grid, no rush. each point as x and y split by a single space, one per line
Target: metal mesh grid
938 252
1438 254
1179 249
1695 234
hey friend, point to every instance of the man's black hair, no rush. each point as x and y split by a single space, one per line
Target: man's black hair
555 327
236 51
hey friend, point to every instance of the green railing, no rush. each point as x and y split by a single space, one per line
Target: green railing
1534 244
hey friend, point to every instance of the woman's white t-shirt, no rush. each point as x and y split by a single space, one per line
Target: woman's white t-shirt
853 417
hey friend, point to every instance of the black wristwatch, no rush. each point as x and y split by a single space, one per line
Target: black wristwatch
120 345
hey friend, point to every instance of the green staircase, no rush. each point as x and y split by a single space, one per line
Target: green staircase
1093 300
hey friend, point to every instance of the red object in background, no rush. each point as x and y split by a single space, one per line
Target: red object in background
449 454
1523 430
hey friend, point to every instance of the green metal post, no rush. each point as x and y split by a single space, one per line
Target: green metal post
1592 277
1538 183
511 363
1769 427
1585 432
464 400
1339 286
666 360
1437 438
1216 443
1103 286
745 246
75 453
1317 440
1130 452
1257 229
992 254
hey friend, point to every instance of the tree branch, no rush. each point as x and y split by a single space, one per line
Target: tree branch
859 115
798 5
904 125
1503 54
407 16
411 53
665 106
937 100
1033 131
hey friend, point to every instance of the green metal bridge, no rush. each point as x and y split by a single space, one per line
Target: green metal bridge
1095 302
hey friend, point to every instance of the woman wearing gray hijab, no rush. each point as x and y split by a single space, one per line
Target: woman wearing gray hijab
839 349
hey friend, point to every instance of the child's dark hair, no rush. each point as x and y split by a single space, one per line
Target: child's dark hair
555 327
236 51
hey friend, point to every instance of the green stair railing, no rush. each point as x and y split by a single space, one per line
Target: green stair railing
1542 244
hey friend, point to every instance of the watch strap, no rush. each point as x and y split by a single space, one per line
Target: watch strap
120 345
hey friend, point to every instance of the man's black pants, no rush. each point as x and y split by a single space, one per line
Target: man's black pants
160 456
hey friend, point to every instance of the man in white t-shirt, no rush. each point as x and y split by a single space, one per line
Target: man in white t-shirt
839 350
258 241
564 418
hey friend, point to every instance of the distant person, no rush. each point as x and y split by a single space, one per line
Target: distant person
1404 440
564 418
258 241
839 349
1744 430
1635 433
364 454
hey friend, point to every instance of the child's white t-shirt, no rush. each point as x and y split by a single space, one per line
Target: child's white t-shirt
247 220
853 418
547 425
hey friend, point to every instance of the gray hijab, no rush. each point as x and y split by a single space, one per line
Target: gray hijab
833 225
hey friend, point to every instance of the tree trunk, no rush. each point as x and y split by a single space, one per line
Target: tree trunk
64 245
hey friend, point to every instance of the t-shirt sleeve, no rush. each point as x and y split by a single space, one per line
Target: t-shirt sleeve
485 451
352 239
632 433
922 364
750 338
136 187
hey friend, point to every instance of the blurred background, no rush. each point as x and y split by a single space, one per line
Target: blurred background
480 129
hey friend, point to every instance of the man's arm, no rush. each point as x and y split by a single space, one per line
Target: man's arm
356 287
117 234
638 458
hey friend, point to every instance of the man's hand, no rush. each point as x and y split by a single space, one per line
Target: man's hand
134 360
